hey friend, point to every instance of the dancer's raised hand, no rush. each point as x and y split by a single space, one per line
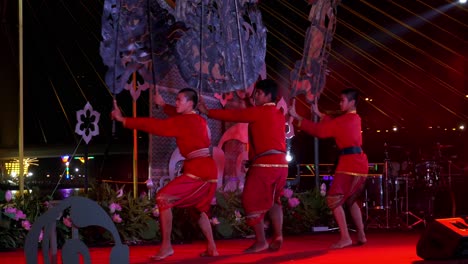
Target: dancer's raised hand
116 114
202 105
292 111
316 110
158 99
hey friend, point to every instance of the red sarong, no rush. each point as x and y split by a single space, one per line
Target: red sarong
345 188
187 191
263 187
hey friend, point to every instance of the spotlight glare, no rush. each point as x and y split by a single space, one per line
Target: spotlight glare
462 127
289 157
462 1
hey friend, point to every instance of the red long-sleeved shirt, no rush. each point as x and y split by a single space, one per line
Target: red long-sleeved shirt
346 130
266 130
190 132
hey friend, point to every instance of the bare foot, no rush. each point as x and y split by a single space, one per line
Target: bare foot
361 239
276 244
256 247
162 254
342 244
209 253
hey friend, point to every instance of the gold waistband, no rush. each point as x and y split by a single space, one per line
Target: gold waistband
270 165
352 173
199 153
198 178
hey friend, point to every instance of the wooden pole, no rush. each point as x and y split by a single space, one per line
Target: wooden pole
86 159
135 145
21 108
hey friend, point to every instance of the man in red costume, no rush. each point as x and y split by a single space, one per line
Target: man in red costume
197 185
351 171
266 177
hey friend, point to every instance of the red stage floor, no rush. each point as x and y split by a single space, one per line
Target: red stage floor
382 247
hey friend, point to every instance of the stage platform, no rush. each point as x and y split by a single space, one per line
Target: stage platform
384 246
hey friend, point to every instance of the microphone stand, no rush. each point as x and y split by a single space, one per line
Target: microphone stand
386 183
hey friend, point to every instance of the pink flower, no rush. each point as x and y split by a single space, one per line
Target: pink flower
67 221
323 189
10 210
214 221
26 224
288 193
115 207
237 214
213 201
156 211
19 215
149 183
116 218
8 195
293 202
120 192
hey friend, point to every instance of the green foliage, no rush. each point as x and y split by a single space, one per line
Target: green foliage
151 230
136 223
311 211
133 218
15 218
229 213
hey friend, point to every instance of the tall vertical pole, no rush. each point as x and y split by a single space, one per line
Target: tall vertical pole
86 160
316 159
21 121
135 145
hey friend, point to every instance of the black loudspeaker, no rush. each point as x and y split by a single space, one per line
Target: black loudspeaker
444 239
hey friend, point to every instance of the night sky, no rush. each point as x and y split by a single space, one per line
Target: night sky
407 57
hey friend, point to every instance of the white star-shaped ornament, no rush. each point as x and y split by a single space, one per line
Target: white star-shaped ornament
87 125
